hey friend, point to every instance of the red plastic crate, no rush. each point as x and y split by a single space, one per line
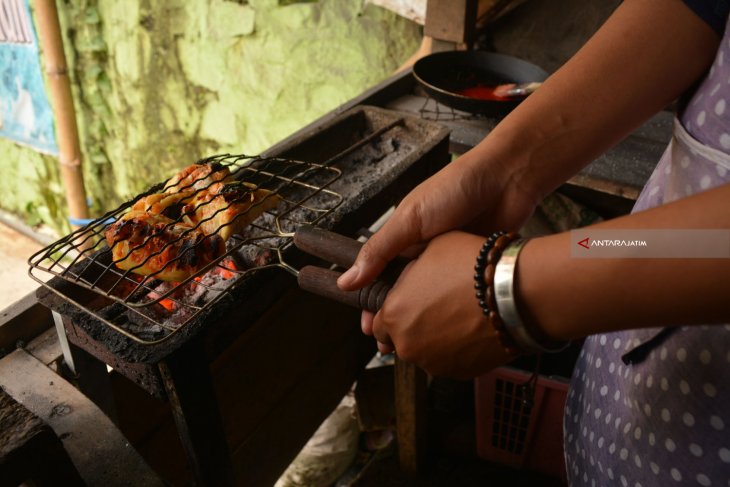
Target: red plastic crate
513 432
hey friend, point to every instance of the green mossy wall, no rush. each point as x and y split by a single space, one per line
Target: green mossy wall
159 84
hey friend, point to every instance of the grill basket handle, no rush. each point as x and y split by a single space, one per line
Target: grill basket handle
326 245
324 283
342 251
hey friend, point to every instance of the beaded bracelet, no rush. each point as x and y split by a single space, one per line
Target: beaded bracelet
487 260
516 338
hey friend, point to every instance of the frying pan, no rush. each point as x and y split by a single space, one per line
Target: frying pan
443 74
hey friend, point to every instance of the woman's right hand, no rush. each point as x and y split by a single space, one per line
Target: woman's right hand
470 193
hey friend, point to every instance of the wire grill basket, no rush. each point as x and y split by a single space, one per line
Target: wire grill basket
149 310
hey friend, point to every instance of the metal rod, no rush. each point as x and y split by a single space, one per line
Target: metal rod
63 341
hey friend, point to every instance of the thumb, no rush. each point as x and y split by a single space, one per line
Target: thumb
381 248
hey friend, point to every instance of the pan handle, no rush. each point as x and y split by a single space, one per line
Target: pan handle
326 245
324 283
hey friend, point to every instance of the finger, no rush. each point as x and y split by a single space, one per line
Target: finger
399 233
382 338
366 322
414 250
385 349
380 333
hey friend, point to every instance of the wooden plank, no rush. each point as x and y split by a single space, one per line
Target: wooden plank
282 348
451 20
614 188
23 320
281 379
163 450
290 421
98 450
410 416
92 378
195 408
45 347
145 375
26 441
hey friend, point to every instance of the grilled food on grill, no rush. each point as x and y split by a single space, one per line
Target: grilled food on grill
227 207
197 177
169 250
169 205
185 227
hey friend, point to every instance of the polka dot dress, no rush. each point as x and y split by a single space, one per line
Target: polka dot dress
665 419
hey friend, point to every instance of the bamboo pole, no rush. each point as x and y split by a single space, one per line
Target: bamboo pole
49 31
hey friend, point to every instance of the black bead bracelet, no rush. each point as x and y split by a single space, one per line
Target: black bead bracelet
480 283
487 260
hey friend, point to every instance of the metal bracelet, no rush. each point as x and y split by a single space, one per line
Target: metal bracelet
504 293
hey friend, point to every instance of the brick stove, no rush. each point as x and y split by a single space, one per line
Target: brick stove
380 156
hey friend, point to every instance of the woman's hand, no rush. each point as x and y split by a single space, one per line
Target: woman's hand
432 317
474 192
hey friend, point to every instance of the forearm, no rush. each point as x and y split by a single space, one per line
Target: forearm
573 297
644 57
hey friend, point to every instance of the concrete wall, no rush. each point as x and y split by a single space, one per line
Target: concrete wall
161 83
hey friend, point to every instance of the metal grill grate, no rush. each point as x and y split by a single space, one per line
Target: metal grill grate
147 310
437 112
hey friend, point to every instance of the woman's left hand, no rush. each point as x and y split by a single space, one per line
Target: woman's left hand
432 317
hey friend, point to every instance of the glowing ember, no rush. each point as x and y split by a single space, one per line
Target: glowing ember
166 303
224 271
227 269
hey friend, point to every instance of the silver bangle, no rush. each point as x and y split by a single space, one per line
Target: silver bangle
504 295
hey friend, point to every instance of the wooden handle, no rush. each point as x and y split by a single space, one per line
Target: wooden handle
329 246
324 283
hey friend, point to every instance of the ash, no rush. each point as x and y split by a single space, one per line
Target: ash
187 300
373 161
180 303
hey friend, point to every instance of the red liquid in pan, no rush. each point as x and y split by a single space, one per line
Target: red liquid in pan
482 93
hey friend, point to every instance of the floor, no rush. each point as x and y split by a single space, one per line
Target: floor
450 469
15 248
451 460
